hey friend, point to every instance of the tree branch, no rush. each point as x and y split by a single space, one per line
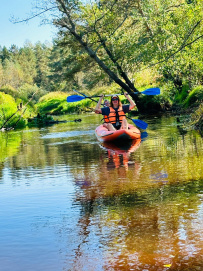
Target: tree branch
32 17
180 49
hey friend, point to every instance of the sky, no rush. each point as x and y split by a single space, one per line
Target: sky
20 33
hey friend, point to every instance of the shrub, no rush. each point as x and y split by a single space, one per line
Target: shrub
195 97
26 91
182 95
7 108
10 90
52 103
9 111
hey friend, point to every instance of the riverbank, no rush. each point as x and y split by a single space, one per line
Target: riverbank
16 113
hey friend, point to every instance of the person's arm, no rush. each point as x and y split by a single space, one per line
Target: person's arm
97 109
132 103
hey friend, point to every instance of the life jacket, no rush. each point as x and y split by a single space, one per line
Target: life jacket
114 116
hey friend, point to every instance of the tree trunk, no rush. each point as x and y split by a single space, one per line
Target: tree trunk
127 86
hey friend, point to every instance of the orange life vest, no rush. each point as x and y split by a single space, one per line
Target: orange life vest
112 115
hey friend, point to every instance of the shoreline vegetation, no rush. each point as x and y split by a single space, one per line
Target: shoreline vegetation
107 48
17 113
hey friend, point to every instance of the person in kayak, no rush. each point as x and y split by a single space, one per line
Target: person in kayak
114 115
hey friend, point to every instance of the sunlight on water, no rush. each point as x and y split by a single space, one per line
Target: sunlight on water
68 134
69 202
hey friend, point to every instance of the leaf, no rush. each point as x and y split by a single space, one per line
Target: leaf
167 265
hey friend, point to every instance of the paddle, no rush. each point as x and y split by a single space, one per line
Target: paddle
139 123
144 135
77 98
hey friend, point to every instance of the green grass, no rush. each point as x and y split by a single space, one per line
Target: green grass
195 97
8 108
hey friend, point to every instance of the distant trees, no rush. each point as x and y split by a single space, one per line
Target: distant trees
27 65
100 42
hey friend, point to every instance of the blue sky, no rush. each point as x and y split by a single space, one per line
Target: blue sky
19 33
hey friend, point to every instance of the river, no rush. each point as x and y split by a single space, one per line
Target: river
70 203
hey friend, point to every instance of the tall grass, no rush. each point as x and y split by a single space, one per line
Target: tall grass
195 97
55 103
8 108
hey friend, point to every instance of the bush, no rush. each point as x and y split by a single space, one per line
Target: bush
195 97
182 95
7 108
9 111
10 90
26 91
52 103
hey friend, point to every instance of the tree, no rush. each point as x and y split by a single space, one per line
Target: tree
4 54
42 54
125 36
72 68
27 60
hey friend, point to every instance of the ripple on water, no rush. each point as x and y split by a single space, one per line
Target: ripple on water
67 134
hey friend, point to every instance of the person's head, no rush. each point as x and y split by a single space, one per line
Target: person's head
106 103
115 101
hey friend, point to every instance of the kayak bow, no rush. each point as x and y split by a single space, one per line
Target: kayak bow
104 135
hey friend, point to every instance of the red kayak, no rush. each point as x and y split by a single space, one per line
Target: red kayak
105 135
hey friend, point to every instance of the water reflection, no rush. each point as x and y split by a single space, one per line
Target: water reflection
87 206
119 154
152 231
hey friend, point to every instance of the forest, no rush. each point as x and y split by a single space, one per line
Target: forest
106 47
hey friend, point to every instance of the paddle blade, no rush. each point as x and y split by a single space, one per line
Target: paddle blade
151 91
74 98
144 135
139 123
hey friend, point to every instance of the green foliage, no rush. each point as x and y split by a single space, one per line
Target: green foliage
152 42
181 95
7 108
10 90
10 110
195 97
7 103
111 89
55 103
52 103
26 91
42 54
27 65
152 103
27 60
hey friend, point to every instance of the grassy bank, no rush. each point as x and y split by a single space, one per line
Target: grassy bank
12 114
54 103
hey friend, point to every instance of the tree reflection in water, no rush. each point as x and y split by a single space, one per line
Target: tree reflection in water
143 227
154 230
139 210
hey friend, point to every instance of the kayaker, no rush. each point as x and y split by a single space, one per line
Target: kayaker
114 115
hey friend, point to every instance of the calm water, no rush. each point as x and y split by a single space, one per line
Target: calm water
70 203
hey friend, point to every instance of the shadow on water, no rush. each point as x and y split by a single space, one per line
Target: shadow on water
72 203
